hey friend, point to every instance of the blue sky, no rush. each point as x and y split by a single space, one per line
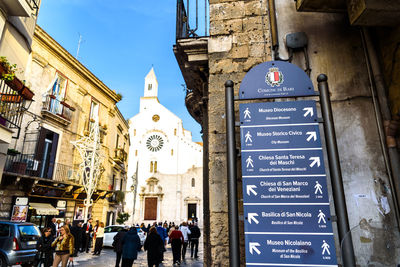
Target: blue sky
121 41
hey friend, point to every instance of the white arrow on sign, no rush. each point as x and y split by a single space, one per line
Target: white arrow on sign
315 160
253 247
311 135
252 216
250 188
308 110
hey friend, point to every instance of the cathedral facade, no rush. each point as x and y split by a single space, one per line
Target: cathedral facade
165 165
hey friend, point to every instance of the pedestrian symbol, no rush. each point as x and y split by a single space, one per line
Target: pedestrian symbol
248 137
325 248
321 217
318 188
247 113
249 162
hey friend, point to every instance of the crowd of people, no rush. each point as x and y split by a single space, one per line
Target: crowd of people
158 236
60 243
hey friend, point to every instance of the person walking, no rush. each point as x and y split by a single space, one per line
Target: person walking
155 248
64 246
185 232
130 247
117 244
76 231
44 247
194 239
164 235
88 231
53 227
176 239
99 239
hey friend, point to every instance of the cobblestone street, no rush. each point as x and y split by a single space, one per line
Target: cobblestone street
107 258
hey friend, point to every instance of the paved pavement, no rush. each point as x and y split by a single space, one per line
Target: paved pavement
107 259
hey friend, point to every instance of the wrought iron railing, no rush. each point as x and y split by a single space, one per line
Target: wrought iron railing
57 107
120 155
66 173
28 165
35 5
189 18
11 106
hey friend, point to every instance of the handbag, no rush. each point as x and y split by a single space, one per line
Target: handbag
70 264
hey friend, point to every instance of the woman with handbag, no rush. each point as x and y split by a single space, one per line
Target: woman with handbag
64 246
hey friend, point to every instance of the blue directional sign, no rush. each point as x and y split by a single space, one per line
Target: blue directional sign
292 249
285 190
275 79
286 162
281 137
285 196
287 219
271 113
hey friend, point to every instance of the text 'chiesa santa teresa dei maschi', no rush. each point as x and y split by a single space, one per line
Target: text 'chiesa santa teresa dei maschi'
165 165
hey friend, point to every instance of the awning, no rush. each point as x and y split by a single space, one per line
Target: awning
44 209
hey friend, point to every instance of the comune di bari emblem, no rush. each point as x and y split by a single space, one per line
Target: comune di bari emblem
274 77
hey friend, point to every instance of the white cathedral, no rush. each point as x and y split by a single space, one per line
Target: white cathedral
165 165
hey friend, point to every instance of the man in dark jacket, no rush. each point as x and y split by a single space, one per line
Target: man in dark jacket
44 247
117 244
194 239
130 247
76 231
162 232
52 225
88 231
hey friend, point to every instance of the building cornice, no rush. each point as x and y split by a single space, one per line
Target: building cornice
56 49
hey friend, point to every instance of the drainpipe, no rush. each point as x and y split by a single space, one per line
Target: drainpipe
273 29
382 113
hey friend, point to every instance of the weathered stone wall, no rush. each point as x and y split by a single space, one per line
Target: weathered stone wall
239 37
239 40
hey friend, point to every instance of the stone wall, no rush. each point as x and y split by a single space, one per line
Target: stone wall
239 40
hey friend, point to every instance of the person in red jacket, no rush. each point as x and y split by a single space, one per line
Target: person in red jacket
176 239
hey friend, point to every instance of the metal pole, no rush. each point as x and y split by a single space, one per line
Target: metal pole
336 173
234 255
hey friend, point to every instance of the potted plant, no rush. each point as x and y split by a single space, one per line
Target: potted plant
13 152
7 70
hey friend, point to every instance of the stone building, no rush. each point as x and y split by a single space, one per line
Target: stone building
44 175
354 42
165 165
17 25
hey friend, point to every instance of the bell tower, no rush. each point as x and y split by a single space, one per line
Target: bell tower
151 84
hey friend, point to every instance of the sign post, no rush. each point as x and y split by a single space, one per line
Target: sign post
287 217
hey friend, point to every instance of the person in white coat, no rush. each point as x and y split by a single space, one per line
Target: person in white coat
185 232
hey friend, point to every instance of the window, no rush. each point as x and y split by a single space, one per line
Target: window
117 142
151 166
134 132
135 152
150 86
175 131
4 230
57 90
94 113
172 152
155 166
193 182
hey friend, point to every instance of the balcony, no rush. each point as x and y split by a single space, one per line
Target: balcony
27 165
13 103
57 110
20 8
191 52
120 156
